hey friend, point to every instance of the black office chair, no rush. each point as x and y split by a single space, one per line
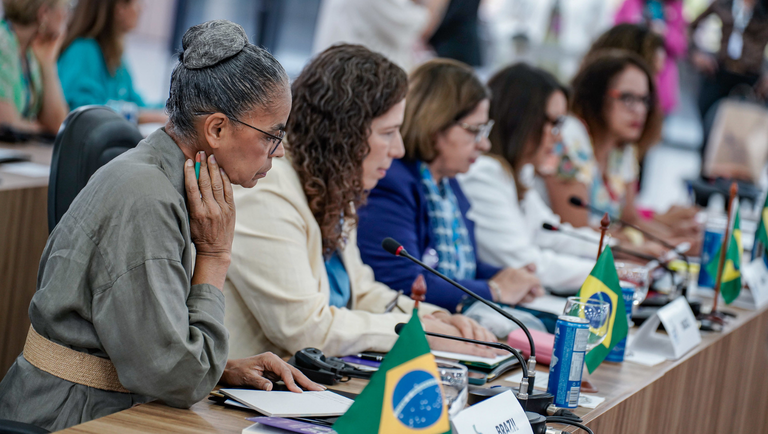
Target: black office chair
11 427
90 137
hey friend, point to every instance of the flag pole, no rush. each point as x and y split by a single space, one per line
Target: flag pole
726 238
604 223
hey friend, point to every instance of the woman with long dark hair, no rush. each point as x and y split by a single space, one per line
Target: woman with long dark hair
297 279
91 66
529 107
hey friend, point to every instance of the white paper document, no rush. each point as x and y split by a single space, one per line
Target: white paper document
547 303
289 404
542 379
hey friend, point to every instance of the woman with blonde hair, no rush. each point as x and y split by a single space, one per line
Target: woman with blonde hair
31 33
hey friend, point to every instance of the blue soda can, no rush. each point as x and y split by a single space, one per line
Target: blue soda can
571 334
628 292
713 237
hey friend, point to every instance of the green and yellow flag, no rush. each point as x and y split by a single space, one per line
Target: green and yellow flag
762 230
603 284
405 395
730 282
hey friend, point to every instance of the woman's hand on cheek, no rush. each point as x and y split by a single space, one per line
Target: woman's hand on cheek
211 208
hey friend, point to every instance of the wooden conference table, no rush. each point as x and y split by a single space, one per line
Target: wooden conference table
23 233
719 387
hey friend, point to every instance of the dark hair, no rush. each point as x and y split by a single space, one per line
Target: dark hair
636 38
518 105
335 100
220 71
96 19
440 93
590 92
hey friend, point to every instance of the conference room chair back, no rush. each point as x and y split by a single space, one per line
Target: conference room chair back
90 137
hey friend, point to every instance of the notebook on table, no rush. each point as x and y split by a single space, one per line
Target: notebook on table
289 404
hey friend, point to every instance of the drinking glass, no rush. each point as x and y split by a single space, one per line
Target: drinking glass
596 310
455 386
638 275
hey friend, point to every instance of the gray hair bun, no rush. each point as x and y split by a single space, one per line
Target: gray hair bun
211 42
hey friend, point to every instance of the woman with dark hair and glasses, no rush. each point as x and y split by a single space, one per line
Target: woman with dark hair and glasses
121 316
529 107
419 202
616 112
297 279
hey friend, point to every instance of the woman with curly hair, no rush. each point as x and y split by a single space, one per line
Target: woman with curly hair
296 278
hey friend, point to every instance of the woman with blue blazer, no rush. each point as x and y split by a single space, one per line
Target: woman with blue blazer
420 204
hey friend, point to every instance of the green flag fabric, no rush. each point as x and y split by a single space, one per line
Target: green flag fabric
762 229
730 282
405 395
603 284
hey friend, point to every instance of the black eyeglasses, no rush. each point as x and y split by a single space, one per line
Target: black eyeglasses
630 100
557 123
271 137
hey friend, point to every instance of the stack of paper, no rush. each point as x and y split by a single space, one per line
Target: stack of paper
289 404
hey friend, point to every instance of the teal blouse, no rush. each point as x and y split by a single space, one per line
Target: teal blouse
85 78
339 280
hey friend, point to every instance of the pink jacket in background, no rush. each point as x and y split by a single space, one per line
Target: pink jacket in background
676 43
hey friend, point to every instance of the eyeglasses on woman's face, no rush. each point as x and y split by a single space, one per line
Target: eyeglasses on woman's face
556 122
630 100
271 138
480 131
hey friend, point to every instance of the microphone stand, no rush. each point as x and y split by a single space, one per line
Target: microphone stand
542 400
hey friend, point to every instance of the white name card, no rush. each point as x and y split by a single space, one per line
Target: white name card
682 331
756 276
501 414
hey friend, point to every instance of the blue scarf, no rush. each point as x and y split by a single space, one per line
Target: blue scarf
456 257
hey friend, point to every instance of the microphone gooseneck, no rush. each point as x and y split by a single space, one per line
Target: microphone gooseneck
392 246
498 345
578 236
577 201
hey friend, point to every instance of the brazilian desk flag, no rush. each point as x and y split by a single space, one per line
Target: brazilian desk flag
404 395
762 229
730 282
603 284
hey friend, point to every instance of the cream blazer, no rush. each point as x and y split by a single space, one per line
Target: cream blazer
277 288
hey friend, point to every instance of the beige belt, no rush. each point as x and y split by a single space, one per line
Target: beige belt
71 365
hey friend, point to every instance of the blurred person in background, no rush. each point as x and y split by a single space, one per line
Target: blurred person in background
458 35
395 28
31 33
665 18
740 60
419 202
529 107
91 66
616 112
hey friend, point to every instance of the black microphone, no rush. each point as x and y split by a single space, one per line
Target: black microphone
576 201
643 256
395 248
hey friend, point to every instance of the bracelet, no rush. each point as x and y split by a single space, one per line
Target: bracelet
495 290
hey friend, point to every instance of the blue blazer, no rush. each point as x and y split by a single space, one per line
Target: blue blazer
397 208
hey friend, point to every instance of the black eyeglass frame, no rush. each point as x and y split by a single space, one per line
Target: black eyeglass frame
278 138
557 123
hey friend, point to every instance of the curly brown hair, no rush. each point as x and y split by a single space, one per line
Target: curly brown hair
335 100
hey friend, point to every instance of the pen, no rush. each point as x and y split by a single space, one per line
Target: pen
197 168
371 357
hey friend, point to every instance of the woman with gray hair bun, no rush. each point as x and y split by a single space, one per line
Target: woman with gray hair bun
120 315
